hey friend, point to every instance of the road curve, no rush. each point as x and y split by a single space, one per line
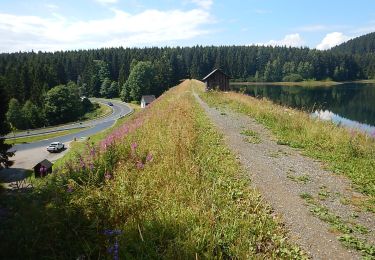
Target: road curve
28 155
119 109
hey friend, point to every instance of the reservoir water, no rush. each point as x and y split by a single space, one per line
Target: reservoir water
349 104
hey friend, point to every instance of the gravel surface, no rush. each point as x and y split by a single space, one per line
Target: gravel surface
282 174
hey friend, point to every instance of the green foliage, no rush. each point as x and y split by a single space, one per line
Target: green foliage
87 105
14 114
140 81
33 116
4 129
251 136
63 104
292 78
104 89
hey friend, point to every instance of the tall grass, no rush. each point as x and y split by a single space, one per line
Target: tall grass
162 185
344 151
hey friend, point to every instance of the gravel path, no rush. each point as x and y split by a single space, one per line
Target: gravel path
282 174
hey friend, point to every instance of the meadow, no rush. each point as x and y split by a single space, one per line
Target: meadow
161 185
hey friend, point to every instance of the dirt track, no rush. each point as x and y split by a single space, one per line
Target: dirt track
275 170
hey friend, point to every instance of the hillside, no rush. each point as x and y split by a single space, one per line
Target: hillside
362 45
160 186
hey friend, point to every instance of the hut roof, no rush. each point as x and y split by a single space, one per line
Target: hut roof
148 98
213 72
44 163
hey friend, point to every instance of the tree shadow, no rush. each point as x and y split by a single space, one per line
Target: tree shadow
10 175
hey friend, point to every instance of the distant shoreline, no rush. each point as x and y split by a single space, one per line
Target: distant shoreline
309 83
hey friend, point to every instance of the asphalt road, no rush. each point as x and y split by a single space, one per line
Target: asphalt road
28 155
119 109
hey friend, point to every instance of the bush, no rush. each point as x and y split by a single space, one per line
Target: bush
293 78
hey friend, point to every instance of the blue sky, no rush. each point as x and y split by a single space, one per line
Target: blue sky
51 25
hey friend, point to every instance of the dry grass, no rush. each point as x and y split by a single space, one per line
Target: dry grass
163 184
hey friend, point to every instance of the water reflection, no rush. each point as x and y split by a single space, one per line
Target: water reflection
350 104
329 116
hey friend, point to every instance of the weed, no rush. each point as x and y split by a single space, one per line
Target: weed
251 136
299 178
278 153
368 251
323 193
306 196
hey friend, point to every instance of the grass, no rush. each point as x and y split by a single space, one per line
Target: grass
369 81
306 83
348 231
35 138
162 185
299 178
344 152
251 136
101 111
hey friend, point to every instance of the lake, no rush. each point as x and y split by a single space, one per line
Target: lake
349 104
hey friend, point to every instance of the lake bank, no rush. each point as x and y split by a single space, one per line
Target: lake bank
349 104
309 83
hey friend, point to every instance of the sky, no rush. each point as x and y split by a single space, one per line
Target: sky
51 25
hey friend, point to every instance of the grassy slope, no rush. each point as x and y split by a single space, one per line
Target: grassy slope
101 111
36 138
164 181
345 152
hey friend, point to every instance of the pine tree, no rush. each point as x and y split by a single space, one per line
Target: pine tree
4 129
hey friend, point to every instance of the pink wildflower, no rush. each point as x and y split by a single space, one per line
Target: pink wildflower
140 165
107 176
133 146
69 189
82 163
149 157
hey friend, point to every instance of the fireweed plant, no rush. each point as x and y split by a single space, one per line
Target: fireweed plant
160 186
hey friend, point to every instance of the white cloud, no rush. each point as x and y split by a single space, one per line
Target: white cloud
324 115
205 4
331 40
106 2
150 27
292 40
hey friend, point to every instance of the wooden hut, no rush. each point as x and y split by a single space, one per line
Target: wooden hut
146 100
43 168
217 79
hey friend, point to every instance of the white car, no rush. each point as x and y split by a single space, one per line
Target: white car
55 147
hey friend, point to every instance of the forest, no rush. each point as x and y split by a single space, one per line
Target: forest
129 73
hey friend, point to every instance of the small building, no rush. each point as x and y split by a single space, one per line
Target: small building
43 168
217 80
146 100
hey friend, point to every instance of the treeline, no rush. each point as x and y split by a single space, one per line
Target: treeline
363 51
28 76
61 104
362 45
